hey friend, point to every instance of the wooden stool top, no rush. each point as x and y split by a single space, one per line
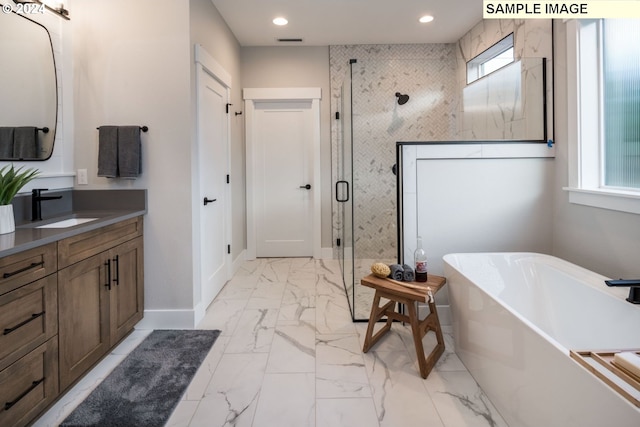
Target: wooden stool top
417 291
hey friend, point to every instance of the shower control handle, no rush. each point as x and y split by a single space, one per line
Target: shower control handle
308 186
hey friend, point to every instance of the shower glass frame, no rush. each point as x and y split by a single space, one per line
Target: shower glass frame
343 193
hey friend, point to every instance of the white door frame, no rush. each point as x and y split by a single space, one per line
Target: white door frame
205 63
251 97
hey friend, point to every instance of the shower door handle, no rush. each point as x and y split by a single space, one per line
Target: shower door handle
338 199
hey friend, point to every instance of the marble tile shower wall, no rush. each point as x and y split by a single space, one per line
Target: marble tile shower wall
427 74
532 40
505 105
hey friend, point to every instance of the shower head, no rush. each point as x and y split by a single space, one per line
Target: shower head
402 99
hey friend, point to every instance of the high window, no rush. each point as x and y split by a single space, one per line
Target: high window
492 59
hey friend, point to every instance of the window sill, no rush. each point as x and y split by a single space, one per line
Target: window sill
623 201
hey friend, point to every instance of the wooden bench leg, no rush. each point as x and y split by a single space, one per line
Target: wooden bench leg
419 329
417 339
377 313
435 324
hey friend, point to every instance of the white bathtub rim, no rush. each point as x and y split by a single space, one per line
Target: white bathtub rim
593 279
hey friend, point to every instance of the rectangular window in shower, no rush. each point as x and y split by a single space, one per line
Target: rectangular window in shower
492 59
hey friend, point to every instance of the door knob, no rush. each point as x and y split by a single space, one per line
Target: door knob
308 186
206 201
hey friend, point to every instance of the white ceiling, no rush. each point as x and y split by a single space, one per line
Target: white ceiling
337 22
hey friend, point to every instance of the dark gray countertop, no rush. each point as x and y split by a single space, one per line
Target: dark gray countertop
28 236
105 205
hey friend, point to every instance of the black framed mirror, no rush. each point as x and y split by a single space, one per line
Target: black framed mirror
28 92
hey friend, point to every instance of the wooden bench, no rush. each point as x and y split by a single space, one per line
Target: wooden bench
407 293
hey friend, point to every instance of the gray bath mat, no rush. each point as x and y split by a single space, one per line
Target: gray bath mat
145 388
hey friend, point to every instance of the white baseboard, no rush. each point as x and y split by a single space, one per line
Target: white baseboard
237 263
168 319
327 253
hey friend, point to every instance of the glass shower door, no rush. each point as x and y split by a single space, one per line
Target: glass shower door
343 191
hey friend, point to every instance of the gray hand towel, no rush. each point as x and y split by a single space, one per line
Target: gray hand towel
6 142
108 151
129 152
25 141
408 275
396 271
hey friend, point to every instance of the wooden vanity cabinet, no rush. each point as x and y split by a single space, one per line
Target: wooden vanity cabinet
55 326
100 296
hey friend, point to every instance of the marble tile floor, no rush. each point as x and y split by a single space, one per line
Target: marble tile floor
289 355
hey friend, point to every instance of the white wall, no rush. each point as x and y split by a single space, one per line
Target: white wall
133 64
475 204
601 240
268 67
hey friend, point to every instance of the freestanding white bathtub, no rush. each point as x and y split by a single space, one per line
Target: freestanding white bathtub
515 318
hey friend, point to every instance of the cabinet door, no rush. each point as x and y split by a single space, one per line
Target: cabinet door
127 288
83 310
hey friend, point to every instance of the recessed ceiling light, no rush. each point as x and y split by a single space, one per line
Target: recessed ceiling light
280 21
426 18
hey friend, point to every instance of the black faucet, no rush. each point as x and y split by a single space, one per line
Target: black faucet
36 198
634 288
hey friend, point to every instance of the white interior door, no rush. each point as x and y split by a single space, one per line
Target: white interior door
283 191
213 165
283 172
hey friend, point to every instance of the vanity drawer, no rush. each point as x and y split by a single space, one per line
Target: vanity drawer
28 318
85 245
26 267
29 385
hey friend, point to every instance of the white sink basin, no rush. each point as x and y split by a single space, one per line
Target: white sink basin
67 223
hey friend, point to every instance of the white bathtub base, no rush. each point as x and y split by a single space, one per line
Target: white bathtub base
530 379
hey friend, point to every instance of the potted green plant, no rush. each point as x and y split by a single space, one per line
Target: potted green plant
11 181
